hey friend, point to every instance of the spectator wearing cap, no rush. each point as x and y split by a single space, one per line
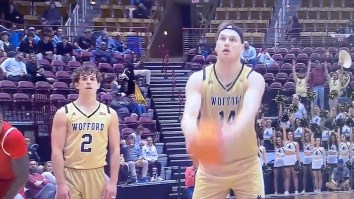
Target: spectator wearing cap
45 48
8 50
85 42
32 30
340 178
104 37
249 54
57 37
13 15
317 82
28 46
34 69
52 15
104 55
65 50
119 45
14 69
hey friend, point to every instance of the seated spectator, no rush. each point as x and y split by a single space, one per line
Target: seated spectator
203 48
7 49
127 79
249 54
134 158
15 35
143 72
48 172
45 48
340 178
34 69
103 55
150 154
38 185
52 15
137 136
138 64
65 50
32 30
105 38
124 168
143 9
14 69
135 107
28 46
190 179
265 58
32 152
118 45
85 42
58 37
13 15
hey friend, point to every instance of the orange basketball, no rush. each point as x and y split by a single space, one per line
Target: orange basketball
206 148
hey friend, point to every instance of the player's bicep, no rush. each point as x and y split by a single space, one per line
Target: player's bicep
113 130
193 95
14 144
20 166
254 93
59 130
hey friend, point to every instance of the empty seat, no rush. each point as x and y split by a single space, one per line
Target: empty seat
7 86
26 87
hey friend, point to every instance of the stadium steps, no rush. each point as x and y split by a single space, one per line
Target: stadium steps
174 139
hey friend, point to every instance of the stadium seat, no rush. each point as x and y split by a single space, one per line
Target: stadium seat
26 87
42 88
60 88
7 86
105 67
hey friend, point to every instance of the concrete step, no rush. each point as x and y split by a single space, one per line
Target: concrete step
174 145
170 102
169 85
157 89
162 79
170 125
164 109
169 117
179 157
175 121
186 163
172 133
168 139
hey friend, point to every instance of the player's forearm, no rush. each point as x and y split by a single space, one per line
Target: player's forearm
189 125
16 185
245 120
114 165
58 166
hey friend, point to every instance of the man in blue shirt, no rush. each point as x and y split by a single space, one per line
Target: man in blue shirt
249 54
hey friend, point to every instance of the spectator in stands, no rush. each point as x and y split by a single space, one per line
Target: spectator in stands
134 158
138 64
32 152
14 69
301 112
28 45
128 79
65 50
85 42
32 30
293 31
137 136
35 70
317 82
13 15
203 48
150 154
5 45
38 185
104 37
190 174
104 55
350 28
51 16
58 36
124 167
135 107
48 172
249 54
45 48
265 58
143 9
340 178
15 35
118 45
143 72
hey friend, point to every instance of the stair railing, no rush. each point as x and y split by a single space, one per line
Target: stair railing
165 59
72 22
280 21
173 84
181 99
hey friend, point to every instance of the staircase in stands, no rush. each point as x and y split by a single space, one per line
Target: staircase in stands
169 104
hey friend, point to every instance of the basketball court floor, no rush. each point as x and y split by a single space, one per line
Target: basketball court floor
322 195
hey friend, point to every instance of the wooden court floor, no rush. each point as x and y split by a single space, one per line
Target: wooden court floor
322 195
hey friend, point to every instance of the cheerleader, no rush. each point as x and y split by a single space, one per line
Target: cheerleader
344 148
352 161
307 161
318 160
346 130
325 136
268 132
278 162
332 153
299 130
334 84
315 114
291 150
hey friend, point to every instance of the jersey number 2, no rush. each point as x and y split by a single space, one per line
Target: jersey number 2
87 141
230 118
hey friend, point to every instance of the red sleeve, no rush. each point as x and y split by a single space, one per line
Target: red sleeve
15 144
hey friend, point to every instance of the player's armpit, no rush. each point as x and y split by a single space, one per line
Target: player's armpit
58 136
114 146
193 103
251 102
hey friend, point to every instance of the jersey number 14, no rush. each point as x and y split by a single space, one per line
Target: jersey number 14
85 145
230 118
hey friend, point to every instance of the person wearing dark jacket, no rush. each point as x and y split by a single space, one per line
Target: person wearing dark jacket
28 46
65 50
45 48
13 15
35 70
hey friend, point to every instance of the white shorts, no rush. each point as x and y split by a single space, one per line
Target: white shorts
307 160
317 164
289 160
278 162
344 158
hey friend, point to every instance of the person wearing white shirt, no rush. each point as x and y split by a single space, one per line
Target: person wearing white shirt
150 154
137 136
301 111
14 69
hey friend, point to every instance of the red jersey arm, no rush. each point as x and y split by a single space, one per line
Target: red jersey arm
14 144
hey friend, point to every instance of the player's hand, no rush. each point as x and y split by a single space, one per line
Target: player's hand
62 192
110 192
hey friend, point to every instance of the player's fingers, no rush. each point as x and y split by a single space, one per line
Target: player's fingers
104 196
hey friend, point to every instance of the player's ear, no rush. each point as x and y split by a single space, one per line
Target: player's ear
76 85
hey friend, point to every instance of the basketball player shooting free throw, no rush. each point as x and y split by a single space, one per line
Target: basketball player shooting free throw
228 94
80 135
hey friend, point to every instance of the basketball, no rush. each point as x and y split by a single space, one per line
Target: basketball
206 147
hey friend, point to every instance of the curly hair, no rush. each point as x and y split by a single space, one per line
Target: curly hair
86 70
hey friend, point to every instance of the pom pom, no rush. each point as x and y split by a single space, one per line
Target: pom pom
293 108
340 122
266 170
264 108
325 114
328 124
325 169
352 96
280 99
349 165
311 95
285 118
333 94
298 167
349 121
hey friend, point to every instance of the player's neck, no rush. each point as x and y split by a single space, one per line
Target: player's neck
87 100
228 69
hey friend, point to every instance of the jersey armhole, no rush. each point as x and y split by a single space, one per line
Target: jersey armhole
249 73
108 110
66 109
